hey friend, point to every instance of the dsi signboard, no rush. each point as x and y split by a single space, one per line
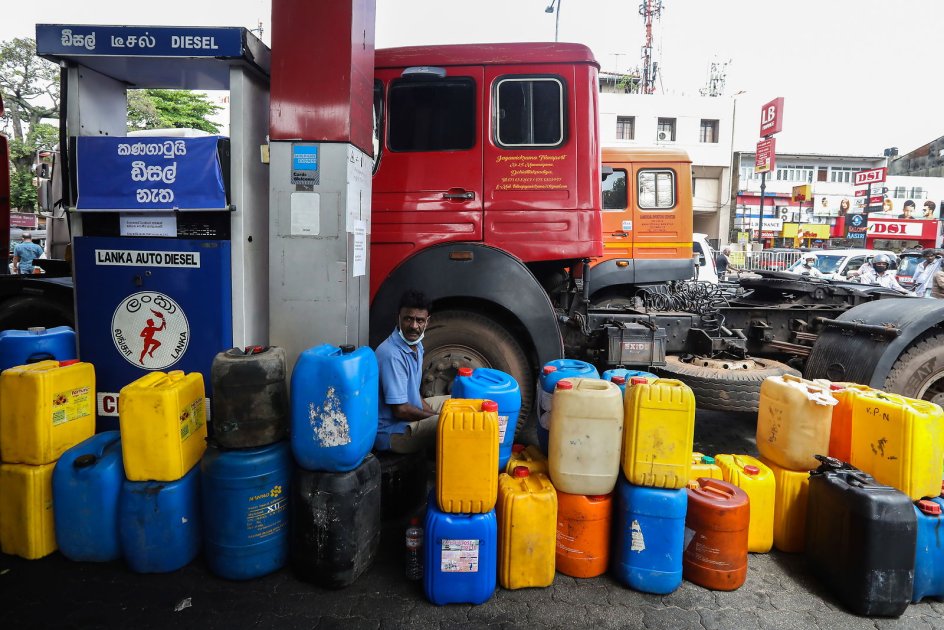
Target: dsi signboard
147 174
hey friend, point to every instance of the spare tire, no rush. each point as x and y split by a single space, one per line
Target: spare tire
721 388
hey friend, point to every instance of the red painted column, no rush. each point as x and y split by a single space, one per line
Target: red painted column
322 71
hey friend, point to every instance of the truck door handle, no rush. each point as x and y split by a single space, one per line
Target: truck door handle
462 195
620 234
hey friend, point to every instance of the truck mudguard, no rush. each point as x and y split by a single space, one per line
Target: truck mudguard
476 273
864 343
606 274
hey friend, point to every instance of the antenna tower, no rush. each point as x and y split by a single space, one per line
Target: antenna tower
649 9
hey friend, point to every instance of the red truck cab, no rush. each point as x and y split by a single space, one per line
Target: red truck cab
489 143
486 193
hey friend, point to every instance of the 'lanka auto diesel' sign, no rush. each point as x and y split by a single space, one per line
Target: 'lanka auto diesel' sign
146 174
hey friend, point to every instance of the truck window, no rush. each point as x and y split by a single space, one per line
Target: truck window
656 190
431 114
529 112
614 190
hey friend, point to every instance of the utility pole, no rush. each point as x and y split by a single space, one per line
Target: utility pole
551 9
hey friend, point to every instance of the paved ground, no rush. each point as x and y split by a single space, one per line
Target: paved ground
779 593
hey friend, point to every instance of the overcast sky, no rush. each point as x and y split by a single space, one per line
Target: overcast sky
857 75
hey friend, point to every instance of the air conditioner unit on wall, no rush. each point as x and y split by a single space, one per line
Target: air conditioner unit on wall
663 135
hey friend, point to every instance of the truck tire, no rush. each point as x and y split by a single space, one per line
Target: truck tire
919 371
22 312
722 389
457 339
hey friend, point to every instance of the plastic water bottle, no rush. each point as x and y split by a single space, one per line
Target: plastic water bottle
414 550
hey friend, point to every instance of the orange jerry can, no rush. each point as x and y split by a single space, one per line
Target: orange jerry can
583 534
467 456
840 433
527 516
717 524
789 507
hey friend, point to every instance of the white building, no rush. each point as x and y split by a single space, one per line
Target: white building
702 126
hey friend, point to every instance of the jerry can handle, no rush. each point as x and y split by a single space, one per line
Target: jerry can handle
714 487
36 357
792 378
175 375
828 463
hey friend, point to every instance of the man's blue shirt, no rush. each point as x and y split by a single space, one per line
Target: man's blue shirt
400 372
27 252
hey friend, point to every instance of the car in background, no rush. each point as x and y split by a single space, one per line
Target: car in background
704 259
837 264
907 263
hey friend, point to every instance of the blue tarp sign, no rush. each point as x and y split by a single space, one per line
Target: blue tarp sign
140 174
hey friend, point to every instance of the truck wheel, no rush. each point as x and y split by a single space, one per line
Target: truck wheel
457 339
22 312
919 371
724 385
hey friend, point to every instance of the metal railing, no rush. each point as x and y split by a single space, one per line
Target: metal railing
771 261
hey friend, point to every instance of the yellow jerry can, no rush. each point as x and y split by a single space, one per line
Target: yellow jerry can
467 456
527 529
27 528
794 418
658 433
163 425
792 488
757 480
529 456
704 466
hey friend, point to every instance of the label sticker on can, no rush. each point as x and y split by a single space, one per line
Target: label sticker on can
502 425
150 330
265 515
71 405
638 540
545 402
460 556
192 418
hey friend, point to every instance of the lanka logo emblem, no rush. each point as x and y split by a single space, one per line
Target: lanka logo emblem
150 330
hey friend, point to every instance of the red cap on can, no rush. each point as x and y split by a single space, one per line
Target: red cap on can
619 380
517 448
68 362
549 368
521 471
638 380
465 371
751 470
565 385
489 405
929 507
835 387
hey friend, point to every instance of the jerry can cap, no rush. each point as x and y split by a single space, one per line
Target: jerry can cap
638 380
565 385
693 484
929 507
752 470
489 405
619 380
250 350
707 459
347 348
520 471
517 448
68 362
84 461
548 369
465 371
36 330
835 387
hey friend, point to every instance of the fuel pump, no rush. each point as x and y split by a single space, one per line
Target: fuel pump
169 231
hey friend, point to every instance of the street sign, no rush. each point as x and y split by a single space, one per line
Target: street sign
894 228
771 117
765 158
871 176
855 226
802 193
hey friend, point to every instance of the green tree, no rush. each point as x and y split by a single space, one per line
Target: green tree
30 89
157 109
